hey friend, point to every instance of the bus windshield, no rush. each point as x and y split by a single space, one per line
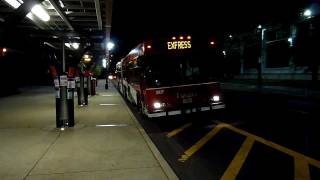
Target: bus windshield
169 69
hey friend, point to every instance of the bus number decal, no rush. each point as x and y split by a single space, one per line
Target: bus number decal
159 91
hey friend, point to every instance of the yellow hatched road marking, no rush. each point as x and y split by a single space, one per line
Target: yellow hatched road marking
301 169
272 144
188 153
178 130
237 162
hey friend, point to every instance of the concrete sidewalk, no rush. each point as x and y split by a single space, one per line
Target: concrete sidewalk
32 148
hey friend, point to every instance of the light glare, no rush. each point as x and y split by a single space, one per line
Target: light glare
104 63
307 13
290 41
110 45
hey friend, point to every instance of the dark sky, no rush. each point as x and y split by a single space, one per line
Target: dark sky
135 20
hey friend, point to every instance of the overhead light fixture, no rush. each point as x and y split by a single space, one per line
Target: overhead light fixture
30 15
68 12
87 59
75 45
68 45
36 10
61 4
224 53
40 12
13 3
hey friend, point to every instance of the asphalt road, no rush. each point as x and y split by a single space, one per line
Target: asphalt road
258 136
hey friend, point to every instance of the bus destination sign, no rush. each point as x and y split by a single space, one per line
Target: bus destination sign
172 45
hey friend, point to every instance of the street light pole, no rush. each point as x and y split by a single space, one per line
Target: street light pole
262 58
312 51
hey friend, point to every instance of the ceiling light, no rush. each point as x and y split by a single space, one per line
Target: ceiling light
75 45
40 13
13 3
61 3
30 15
68 45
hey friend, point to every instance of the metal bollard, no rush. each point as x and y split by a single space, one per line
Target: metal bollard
70 99
85 92
93 86
64 114
59 123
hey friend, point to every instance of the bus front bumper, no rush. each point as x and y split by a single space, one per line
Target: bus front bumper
186 111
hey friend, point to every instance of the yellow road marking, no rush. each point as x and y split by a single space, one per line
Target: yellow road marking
188 153
237 162
301 169
272 144
178 130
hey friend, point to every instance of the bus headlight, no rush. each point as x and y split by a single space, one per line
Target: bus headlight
158 105
216 98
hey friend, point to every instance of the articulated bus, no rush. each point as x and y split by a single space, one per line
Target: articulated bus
173 76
